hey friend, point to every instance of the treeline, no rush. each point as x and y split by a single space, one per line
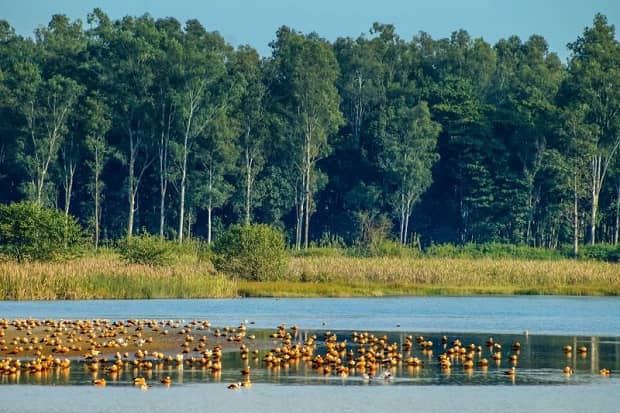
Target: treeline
148 125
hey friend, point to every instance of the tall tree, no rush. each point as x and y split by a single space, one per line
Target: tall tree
250 111
98 123
306 80
129 46
410 140
594 79
200 97
46 107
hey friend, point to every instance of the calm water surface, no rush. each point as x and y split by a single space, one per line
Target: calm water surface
537 314
551 322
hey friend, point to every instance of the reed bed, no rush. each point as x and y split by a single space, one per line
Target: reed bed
93 278
463 275
337 276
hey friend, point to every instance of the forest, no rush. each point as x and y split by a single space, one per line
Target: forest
144 125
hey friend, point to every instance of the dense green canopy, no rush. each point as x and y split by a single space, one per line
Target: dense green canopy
148 125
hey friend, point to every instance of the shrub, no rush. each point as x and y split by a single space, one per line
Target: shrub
492 250
318 252
384 248
600 252
148 249
253 252
29 232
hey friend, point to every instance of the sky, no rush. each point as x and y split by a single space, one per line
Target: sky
255 22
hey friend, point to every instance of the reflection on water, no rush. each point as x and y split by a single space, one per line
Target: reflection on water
538 385
540 360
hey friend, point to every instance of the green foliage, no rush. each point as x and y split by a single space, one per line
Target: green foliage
149 249
252 252
492 250
385 248
319 252
600 252
29 232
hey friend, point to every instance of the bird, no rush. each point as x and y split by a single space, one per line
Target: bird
511 372
234 386
166 380
568 370
139 381
99 382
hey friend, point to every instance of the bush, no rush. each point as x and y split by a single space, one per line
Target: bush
253 252
385 248
492 250
600 252
148 249
29 232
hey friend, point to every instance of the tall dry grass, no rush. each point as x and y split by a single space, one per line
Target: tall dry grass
109 277
470 275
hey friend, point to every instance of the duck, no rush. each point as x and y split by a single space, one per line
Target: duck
139 381
568 370
166 381
567 349
605 372
511 372
99 382
234 386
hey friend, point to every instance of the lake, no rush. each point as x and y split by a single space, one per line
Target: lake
543 325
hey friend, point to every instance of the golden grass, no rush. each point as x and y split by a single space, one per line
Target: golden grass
432 276
92 277
109 277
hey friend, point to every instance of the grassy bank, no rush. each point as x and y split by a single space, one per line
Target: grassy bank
109 277
346 276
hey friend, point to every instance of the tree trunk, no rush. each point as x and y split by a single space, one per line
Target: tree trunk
308 167
184 174
132 198
209 211
407 216
164 141
617 227
596 190
69 174
249 160
299 212
182 207
97 198
575 216
210 205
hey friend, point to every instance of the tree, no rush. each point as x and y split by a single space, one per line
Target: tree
98 123
29 232
200 97
594 79
250 111
409 154
129 47
306 73
46 106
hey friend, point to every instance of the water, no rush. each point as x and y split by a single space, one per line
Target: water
536 314
540 385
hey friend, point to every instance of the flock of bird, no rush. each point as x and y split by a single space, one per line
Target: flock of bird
106 349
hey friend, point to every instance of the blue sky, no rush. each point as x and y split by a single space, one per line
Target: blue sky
254 22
